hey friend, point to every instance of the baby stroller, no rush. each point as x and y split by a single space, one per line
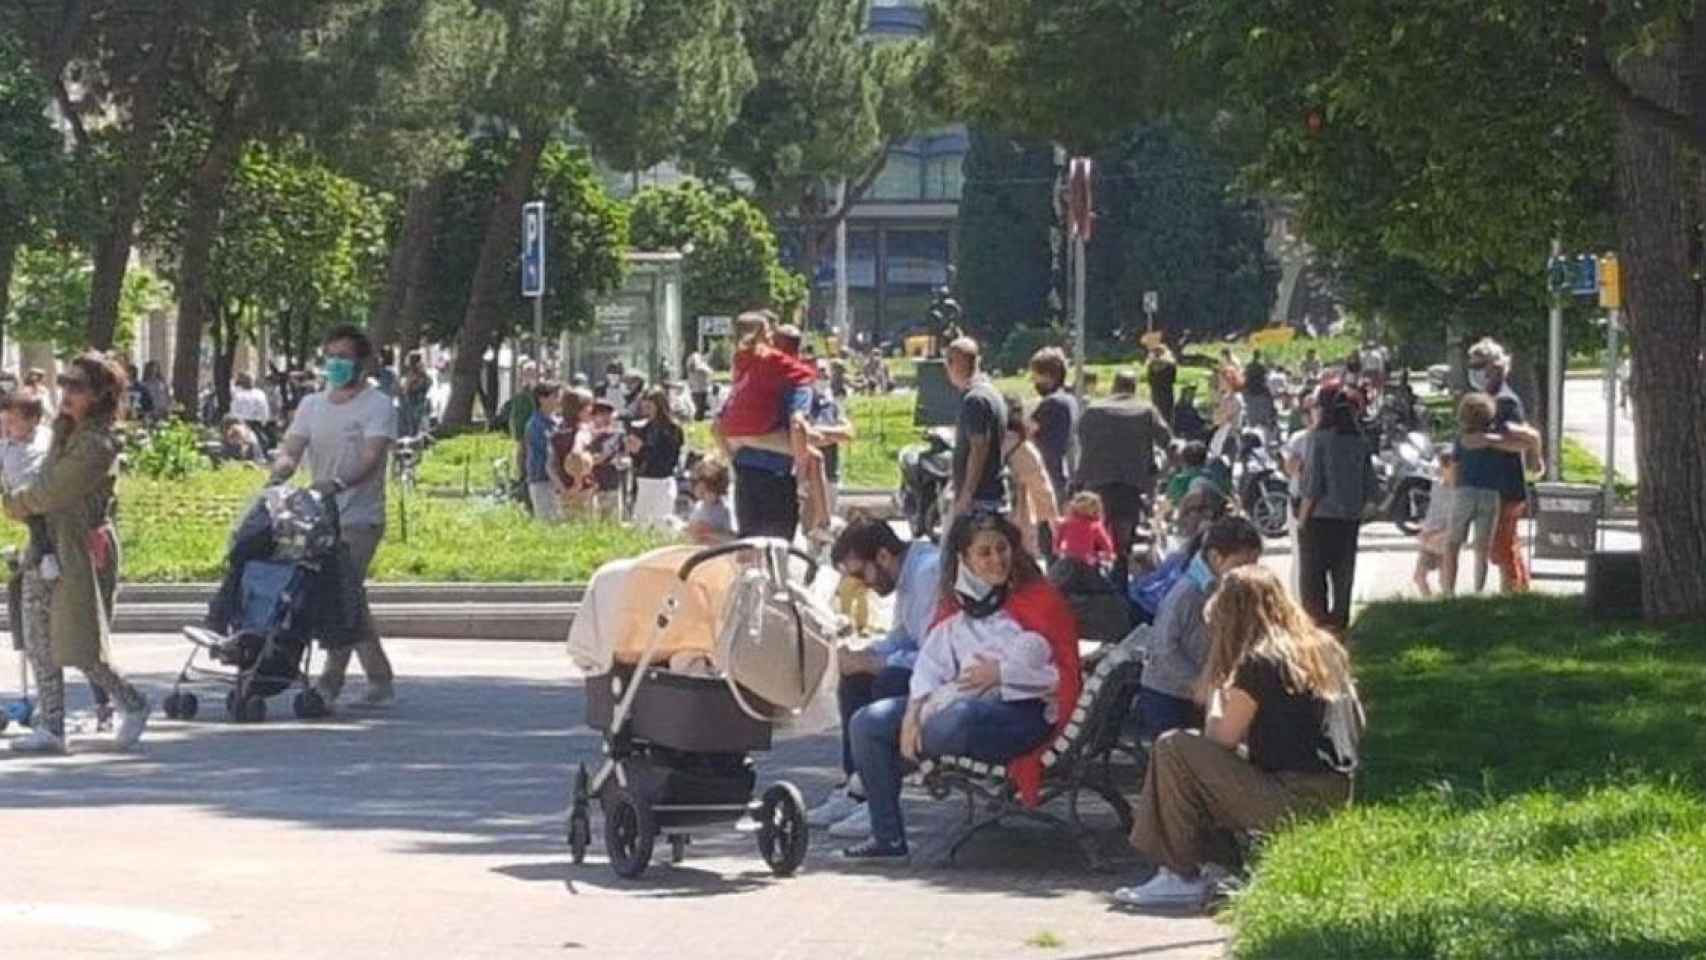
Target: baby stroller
684 695
283 586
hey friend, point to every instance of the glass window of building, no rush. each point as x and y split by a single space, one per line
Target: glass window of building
902 177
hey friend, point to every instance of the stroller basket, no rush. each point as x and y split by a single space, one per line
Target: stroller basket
678 711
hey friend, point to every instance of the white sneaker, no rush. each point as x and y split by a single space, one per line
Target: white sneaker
38 740
1166 890
832 810
856 825
131 724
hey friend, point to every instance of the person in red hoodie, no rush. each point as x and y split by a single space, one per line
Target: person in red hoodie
765 432
996 678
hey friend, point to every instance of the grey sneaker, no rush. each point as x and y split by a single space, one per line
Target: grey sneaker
39 740
131 724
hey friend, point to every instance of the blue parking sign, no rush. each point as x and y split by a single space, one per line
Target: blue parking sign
533 249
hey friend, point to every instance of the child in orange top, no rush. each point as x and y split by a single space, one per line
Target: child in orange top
1082 535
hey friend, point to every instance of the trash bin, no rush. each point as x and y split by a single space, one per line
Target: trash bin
1566 520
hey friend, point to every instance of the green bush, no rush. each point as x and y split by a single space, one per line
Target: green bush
171 453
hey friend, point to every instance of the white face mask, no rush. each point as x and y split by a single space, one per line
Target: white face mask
971 586
1478 380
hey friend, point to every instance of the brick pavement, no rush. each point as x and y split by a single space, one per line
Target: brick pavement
434 830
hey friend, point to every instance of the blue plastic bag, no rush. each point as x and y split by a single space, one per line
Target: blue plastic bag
1147 592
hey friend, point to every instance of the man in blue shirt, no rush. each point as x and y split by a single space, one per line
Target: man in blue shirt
872 553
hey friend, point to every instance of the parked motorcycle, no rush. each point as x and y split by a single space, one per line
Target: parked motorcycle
1407 471
1263 491
926 470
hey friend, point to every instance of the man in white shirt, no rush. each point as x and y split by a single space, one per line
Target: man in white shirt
345 431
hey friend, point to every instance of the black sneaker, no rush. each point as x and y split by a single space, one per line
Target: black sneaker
876 851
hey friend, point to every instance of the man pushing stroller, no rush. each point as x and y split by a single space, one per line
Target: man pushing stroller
345 432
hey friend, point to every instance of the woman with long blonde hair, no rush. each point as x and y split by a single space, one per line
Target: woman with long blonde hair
1280 688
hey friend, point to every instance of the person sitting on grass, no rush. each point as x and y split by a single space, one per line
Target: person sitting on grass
1179 645
710 523
997 675
1279 688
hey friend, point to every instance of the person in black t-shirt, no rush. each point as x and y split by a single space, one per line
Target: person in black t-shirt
1276 685
1055 416
978 481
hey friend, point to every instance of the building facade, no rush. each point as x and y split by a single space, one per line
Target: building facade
901 235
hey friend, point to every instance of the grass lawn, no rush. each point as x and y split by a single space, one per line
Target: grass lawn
174 531
1532 787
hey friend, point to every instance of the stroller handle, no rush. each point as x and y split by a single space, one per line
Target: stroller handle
752 543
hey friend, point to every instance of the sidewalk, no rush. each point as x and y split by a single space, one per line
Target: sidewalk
434 830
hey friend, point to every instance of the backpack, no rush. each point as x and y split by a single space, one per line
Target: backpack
1342 726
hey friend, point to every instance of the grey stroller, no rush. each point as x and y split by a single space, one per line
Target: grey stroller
685 695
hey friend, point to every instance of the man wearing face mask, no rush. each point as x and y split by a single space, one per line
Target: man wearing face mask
345 431
1180 643
1489 371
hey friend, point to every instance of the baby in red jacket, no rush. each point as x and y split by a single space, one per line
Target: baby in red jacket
763 376
1082 535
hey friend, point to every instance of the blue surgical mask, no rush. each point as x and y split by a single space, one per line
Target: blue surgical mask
340 372
1200 573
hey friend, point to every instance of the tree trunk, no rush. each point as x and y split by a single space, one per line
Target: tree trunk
112 251
8 261
416 282
1661 197
207 196
418 214
487 297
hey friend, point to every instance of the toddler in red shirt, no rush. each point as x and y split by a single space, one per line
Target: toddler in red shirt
1082 535
763 376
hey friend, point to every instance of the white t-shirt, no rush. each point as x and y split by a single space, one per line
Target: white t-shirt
250 404
337 433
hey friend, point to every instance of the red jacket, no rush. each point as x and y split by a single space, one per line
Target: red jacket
1039 608
763 378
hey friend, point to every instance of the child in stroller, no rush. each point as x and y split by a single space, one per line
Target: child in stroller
284 586
683 695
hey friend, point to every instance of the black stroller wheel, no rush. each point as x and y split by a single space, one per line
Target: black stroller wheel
782 832
188 706
231 711
168 706
254 709
629 830
578 829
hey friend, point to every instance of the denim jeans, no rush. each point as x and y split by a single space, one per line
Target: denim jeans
1160 712
858 691
993 731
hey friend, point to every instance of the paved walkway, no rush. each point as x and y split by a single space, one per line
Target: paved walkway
434 830
1584 420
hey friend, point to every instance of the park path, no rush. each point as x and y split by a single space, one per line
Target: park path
1584 421
434 830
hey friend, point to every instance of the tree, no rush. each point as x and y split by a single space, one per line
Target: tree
1170 219
1004 263
828 105
50 291
547 57
31 161
732 264
586 234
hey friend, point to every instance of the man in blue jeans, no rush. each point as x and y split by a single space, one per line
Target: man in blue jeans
872 553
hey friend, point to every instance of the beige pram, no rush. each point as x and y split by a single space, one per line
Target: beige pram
692 656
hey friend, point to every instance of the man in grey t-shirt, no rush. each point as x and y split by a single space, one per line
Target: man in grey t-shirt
345 433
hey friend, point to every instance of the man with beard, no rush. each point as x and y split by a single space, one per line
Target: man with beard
870 552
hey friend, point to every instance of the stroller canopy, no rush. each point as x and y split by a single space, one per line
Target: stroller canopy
623 600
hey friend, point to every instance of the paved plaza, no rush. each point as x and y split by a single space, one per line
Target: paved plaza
434 829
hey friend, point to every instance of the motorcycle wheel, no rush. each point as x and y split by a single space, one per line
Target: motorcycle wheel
1269 508
1410 506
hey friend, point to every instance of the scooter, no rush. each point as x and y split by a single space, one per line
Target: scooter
1263 491
1407 471
926 470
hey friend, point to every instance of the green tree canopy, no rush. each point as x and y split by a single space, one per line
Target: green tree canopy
733 263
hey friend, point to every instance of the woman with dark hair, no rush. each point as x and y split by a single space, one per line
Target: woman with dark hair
1034 503
996 675
656 449
1337 477
74 492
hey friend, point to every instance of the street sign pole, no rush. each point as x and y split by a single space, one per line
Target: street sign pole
1555 378
1611 297
1082 215
533 268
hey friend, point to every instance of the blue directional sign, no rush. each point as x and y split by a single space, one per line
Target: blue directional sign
1577 276
533 249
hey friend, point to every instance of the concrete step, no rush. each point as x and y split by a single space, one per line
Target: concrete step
379 593
416 621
